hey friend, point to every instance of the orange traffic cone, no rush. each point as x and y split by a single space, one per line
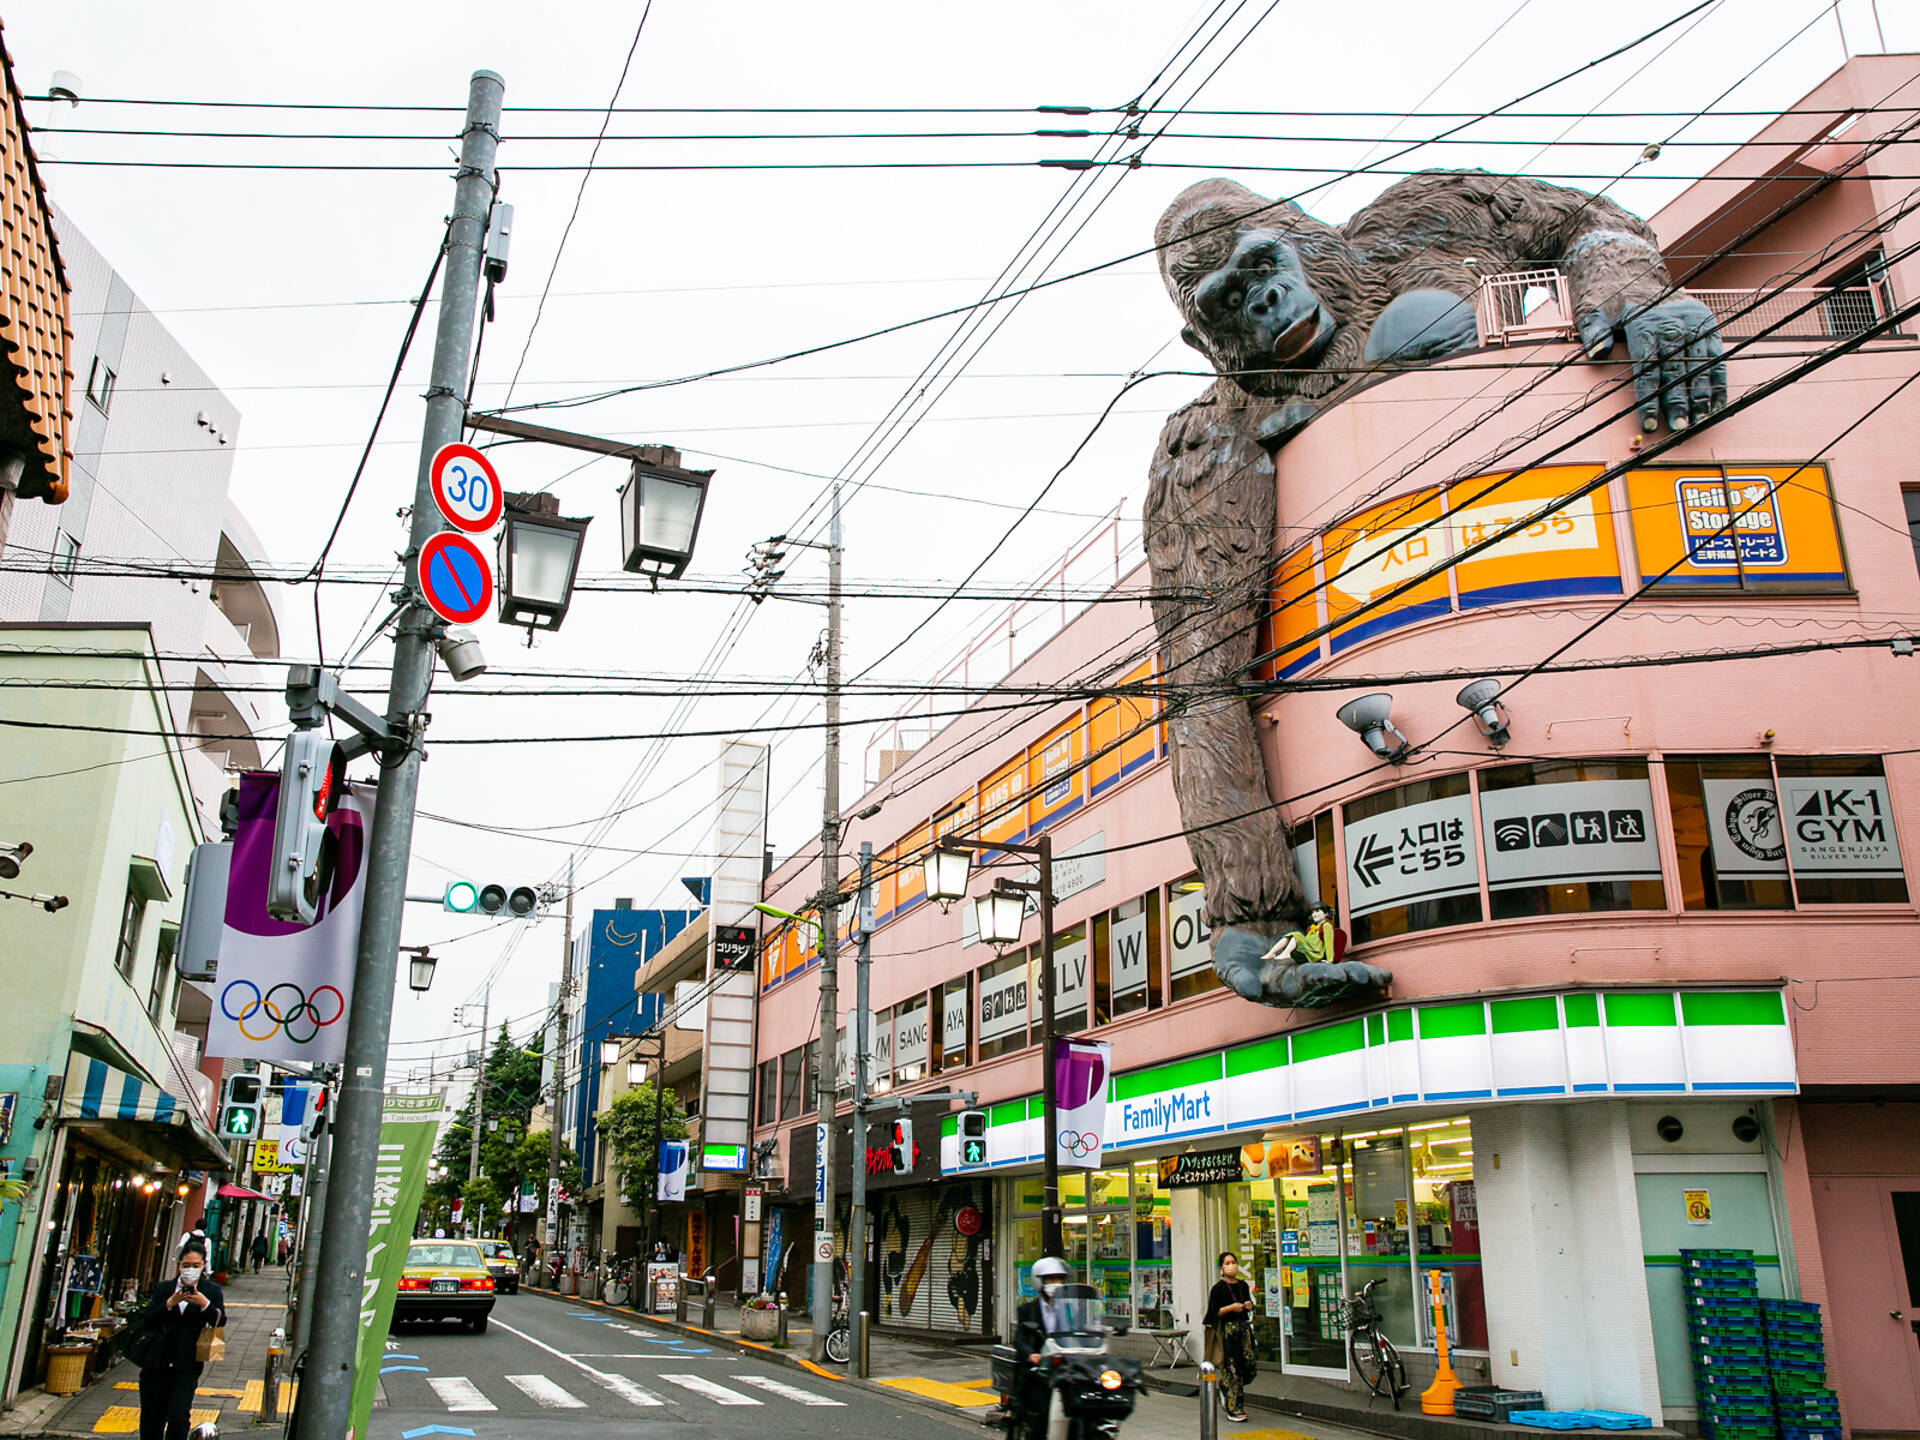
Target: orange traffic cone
1437 1398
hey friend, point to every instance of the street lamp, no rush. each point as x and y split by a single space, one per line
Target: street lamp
636 1072
946 871
420 968
659 517
609 1051
999 915
539 553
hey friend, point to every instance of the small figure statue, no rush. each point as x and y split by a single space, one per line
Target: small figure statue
1303 968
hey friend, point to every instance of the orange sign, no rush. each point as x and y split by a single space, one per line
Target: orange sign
1296 612
1371 555
1003 813
1056 780
1744 527
1570 552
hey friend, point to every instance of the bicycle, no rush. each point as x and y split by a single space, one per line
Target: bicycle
840 1333
619 1282
1374 1357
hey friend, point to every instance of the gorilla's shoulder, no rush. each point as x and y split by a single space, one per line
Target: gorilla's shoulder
1220 411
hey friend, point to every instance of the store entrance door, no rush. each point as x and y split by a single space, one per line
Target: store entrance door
1870 1246
1295 1270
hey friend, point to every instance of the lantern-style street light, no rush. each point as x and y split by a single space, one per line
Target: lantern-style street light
538 555
420 968
946 871
660 508
999 915
609 1051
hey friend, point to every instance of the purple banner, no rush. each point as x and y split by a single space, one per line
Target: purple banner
1080 1072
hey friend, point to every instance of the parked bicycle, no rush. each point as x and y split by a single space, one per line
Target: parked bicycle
617 1282
1374 1357
840 1333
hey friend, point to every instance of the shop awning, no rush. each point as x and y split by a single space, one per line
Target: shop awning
231 1191
97 1091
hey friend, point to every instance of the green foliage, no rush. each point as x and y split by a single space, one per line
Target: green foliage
628 1131
509 1156
14 1190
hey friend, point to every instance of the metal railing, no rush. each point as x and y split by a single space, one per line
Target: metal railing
1535 305
1523 305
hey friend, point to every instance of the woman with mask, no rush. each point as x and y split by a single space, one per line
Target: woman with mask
1229 1328
183 1306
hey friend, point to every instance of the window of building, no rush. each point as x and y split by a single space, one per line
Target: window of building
1072 972
1861 295
1190 970
66 557
767 1090
1839 829
1312 844
133 914
880 1051
100 383
948 1043
159 991
1567 837
1003 1004
1410 850
912 1040
1726 827
1119 1238
1911 499
810 1077
793 1082
1126 959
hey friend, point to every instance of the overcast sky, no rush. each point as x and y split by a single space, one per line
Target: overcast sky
291 287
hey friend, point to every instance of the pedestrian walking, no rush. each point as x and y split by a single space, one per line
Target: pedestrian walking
184 1308
1230 1334
286 1249
259 1251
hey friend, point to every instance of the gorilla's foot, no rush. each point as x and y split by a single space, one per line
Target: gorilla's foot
1237 961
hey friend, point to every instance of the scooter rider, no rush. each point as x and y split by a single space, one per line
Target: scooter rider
1034 1320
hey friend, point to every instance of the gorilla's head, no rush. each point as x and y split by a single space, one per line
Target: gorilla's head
1262 286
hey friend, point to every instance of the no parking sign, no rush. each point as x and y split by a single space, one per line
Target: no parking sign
455 578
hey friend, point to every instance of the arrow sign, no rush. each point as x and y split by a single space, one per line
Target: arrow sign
1374 856
455 578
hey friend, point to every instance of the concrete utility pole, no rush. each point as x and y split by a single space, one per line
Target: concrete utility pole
327 1398
857 1216
559 1067
829 963
479 1091
312 1221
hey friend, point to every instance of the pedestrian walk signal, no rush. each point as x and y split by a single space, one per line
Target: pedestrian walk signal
464 897
973 1137
240 1108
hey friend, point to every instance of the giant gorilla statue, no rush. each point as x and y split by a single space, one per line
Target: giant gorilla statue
1294 315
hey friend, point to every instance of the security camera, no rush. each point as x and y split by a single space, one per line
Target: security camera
460 653
10 858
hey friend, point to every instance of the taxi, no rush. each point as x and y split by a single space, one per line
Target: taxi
445 1280
504 1265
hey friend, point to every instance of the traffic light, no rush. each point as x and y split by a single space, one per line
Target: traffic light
240 1108
902 1146
973 1137
315 1120
464 897
311 779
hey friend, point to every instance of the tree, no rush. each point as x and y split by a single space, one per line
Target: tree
627 1127
506 1153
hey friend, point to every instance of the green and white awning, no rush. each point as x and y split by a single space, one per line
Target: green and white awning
1623 1042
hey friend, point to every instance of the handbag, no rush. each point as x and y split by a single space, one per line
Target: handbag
210 1344
142 1340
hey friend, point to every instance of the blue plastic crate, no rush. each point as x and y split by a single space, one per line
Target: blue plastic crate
1810 1432
1791 1307
1581 1420
1706 1329
1716 1257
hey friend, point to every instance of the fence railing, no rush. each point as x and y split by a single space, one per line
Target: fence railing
1535 305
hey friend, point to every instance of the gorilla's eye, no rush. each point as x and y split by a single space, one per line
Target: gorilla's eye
1232 300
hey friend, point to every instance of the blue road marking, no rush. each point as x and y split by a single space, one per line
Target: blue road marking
392 1369
433 1430
400 1357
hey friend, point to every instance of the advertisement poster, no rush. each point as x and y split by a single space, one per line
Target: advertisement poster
1581 830
1372 555
1192 941
1415 853
1841 827
1739 528
408 1124
1743 829
675 1159
1080 1071
283 990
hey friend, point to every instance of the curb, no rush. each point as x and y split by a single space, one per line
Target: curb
788 1358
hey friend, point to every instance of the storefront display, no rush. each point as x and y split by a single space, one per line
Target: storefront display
1118 1229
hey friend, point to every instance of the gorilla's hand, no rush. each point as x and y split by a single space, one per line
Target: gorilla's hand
1677 359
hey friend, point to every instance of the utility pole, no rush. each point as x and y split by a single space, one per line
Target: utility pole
480 1087
659 1137
559 1069
829 963
326 1404
312 1222
857 1216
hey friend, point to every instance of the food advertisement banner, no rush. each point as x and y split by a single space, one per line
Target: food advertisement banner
1737 527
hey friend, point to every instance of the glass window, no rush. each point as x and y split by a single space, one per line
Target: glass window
1840 835
810 1077
100 382
1312 846
1126 958
1410 852
880 1051
133 912
1071 971
950 1048
1911 499
1377 1234
1152 1248
910 1040
162 973
1002 1005
767 1090
1726 827
1191 970
1567 837
1446 1219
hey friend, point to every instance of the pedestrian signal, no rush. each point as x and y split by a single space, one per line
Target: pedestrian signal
240 1108
973 1137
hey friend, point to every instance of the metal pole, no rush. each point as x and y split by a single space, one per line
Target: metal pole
559 1073
1209 1401
480 1091
319 1163
829 956
863 1345
659 1127
857 1210
1052 1242
326 1408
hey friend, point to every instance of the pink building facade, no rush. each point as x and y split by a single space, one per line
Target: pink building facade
1652 939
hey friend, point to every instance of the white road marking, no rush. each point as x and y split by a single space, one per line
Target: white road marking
544 1392
780 1387
618 1384
719 1394
459 1393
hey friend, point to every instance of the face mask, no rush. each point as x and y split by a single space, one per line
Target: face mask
190 1274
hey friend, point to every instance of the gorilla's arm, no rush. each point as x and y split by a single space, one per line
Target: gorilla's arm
1426 227
1210 527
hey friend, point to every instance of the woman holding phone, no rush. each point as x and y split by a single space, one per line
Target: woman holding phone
1229 1332
183 1306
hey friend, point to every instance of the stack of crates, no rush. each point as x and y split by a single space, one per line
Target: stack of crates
1722 1295
1797 1369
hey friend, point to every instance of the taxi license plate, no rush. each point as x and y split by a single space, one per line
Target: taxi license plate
446 1287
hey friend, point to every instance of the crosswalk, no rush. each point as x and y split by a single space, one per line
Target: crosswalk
463 1395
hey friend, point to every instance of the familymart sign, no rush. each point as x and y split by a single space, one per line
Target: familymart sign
1587 1042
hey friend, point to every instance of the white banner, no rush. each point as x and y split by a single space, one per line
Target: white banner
1836 827
910 1044
675 1160
282 991
1192 941
1127 949
1003 1004
1579 830
953 1019
1080 1072
1743 827
1415 853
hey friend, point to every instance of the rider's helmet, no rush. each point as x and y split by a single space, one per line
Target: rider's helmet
1049 1267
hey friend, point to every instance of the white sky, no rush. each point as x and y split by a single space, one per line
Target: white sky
267 278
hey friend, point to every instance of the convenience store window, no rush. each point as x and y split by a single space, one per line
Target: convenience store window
1127 972
1570 837
1726 828
1411 849
1839 828
1119 1238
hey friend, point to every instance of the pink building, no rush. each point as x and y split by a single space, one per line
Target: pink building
1652 938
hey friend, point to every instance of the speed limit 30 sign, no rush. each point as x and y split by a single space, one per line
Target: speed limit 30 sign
465 488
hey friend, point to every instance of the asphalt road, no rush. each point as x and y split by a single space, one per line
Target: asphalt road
546 1368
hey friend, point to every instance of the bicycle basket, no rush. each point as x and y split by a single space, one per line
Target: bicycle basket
1360 1313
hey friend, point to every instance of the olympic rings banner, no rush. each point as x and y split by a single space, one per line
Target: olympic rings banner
1080 1073
282 991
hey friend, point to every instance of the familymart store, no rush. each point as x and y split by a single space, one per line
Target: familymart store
1420 1139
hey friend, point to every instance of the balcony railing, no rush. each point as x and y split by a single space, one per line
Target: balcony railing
1534 305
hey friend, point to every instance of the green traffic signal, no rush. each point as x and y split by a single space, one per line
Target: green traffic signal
973 1152
461 897
237 1122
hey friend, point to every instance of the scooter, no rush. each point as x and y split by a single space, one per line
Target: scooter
1090 1390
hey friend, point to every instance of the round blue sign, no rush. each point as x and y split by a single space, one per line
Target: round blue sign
455 578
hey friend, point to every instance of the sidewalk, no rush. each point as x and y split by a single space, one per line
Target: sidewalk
230 1391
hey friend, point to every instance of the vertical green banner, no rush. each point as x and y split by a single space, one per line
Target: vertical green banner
408 1124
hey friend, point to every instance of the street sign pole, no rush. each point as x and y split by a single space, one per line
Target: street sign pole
326 1399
